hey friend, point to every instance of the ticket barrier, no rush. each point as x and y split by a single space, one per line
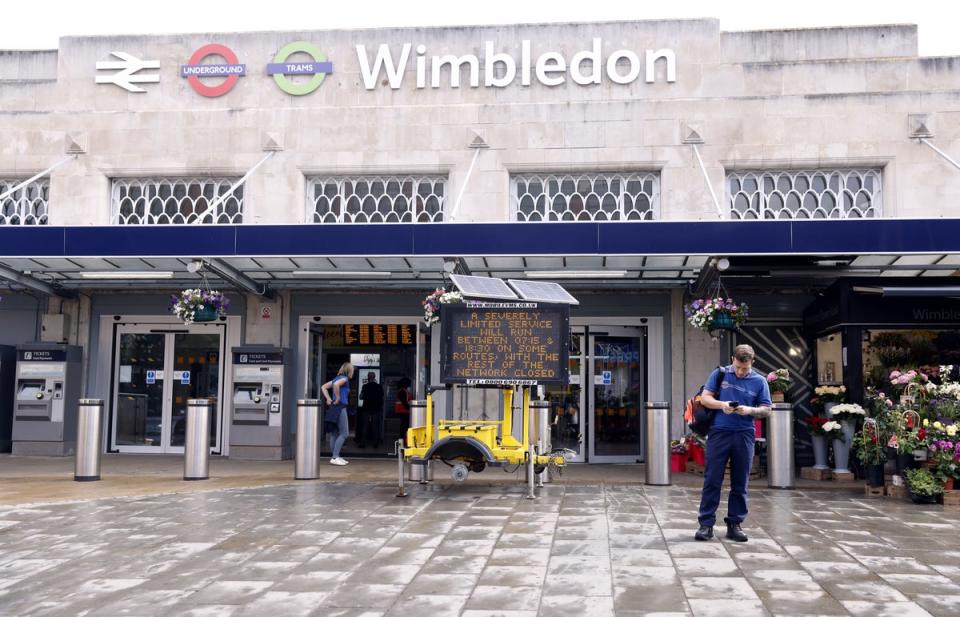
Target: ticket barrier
261 379
46 393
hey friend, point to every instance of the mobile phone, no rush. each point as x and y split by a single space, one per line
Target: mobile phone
734 404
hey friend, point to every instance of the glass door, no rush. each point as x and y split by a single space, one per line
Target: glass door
617 385
567 401
156 371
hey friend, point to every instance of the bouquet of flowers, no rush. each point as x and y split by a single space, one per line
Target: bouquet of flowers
870 445
715 314
199 305
847 411
945 455
779 380
677 446
431 304
830 394
832 430
814 424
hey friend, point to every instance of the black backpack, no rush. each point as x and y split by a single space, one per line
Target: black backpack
699 418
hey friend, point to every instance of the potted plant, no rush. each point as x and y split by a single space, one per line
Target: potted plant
712 314
945 459
431 304
779 382
871 451
846 414
922 486
198 305
695 446
678 456
814 426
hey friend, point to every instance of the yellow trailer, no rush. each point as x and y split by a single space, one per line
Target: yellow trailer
473 445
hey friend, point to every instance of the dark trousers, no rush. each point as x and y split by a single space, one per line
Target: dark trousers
723 446
368 428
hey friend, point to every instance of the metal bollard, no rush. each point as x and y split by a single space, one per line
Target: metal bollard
196 450
401 491
540 433
421 473
780 470
658 444
531 483
86 466
307 464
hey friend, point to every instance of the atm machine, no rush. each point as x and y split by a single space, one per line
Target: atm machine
46 393
261 414
8 362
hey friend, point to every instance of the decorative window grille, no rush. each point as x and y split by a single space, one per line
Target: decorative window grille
586 197
175 201
27 206
816 194
376 199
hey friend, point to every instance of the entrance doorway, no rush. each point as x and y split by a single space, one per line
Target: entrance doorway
392 352
156 370
617 386
568 401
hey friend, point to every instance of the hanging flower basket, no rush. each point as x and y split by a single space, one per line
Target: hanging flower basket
199 305
712 314
431 304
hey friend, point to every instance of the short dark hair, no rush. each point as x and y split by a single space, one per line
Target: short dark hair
743 353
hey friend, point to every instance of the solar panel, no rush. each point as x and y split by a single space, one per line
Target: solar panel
542 291
482 287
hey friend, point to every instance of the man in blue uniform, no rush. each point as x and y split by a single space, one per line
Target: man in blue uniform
744 394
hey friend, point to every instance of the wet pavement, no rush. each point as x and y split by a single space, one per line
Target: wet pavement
338 549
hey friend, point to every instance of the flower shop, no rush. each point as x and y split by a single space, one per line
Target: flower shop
886 398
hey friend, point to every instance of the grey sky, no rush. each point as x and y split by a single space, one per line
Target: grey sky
38 25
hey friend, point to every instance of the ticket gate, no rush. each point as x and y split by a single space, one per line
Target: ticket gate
45 405
260 416
8 367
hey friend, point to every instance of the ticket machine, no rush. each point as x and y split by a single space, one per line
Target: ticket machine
260 409
46 392
8 365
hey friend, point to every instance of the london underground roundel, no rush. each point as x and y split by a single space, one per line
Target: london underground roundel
194 71
282 67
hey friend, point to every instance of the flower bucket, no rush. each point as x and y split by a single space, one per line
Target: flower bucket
698 455
678 463
948 484
207 313
875 475
723 321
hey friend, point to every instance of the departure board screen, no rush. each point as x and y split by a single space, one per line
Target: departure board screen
491 343
379 334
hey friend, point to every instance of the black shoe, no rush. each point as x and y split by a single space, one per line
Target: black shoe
704 533
735 533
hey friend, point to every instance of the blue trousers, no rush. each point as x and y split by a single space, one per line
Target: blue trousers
336 438
723 446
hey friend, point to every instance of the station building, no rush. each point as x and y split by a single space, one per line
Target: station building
329 180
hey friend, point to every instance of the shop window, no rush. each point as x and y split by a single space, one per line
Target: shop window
902 350
376 199
175 201
814 194
586 197
26 206
830 360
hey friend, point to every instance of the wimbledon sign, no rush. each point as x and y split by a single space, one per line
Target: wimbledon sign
551 68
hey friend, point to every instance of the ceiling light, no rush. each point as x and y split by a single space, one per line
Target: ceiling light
574 274
723 264
342 273
150 274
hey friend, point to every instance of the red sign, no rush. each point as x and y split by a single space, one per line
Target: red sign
194 70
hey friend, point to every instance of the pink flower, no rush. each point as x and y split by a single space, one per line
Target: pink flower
893 442
894 374
881 395
889 404
771 377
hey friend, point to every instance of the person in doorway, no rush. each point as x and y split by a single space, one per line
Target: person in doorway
370 416
401 406
743 394
335 420
570 425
